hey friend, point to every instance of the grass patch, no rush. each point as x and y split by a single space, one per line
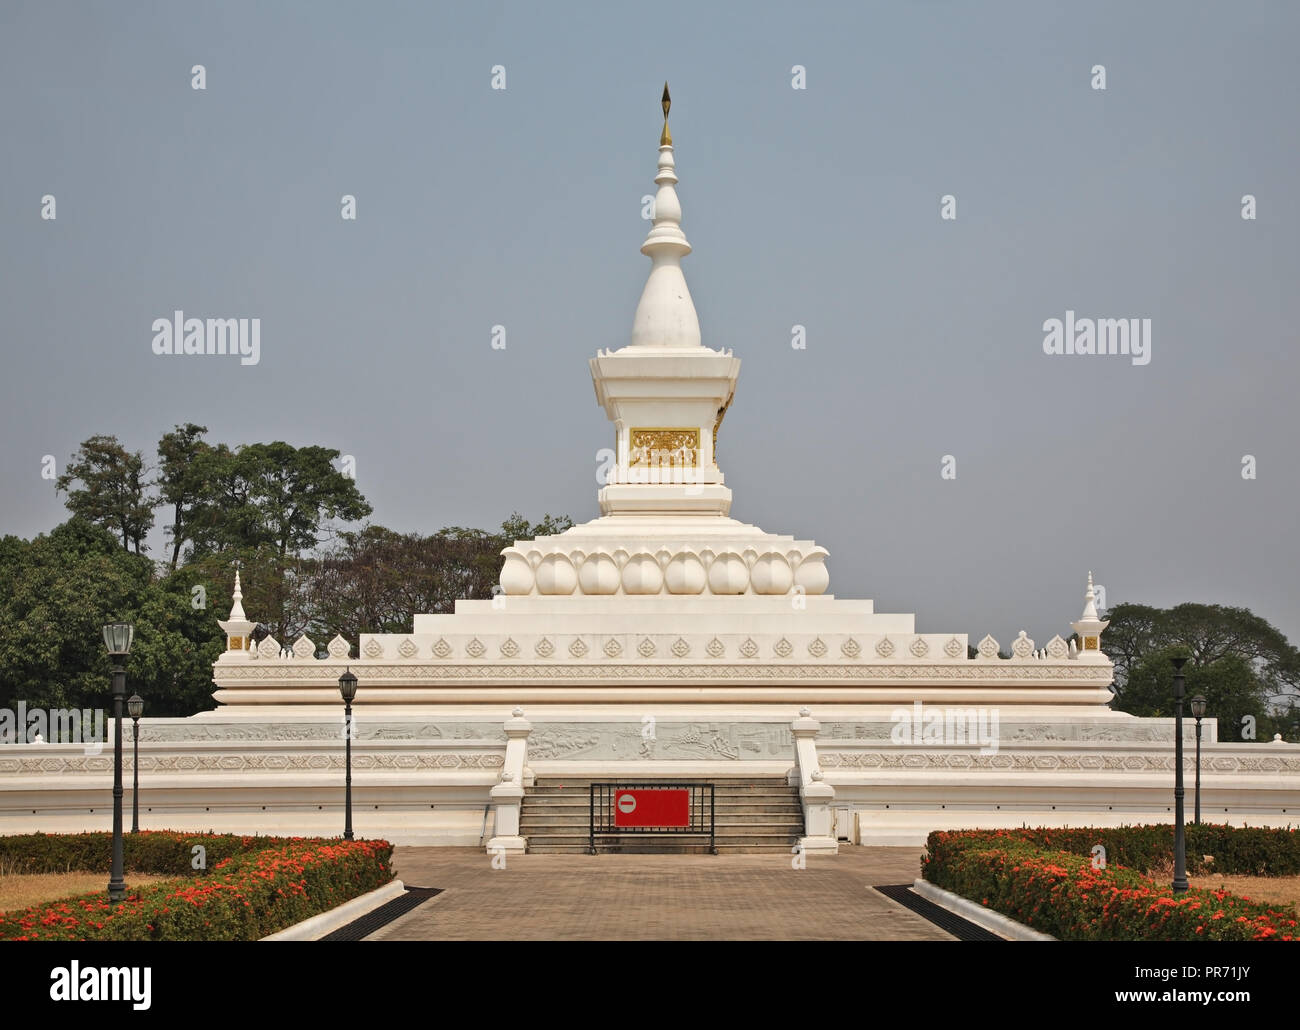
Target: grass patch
1275 890
22 890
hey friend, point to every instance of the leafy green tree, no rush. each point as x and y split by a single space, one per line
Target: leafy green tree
1242 664
58 591
273 588
1132 634
112 491
271 495
295 489
176 642
182 481
266 506
1209 632
517 528
377 580
1229 686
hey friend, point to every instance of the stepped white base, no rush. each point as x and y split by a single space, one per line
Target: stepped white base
819 845
507 846
425 775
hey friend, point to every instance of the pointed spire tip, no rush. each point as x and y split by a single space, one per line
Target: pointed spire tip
665 138
237 601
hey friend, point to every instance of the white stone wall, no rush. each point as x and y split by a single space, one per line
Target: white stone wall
425 775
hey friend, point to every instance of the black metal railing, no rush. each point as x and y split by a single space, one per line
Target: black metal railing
702 812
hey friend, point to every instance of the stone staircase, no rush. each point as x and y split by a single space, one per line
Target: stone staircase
754 815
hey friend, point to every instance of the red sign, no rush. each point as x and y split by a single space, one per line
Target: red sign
652 808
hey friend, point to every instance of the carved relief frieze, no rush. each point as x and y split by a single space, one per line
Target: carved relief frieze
664 448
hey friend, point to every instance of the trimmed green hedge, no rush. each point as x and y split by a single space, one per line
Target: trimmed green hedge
149 851
269 885
1058 892
1235 850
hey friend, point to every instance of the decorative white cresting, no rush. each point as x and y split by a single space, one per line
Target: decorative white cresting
338 647
665 315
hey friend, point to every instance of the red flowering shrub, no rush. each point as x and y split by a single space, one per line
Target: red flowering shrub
244 896
1060 893
1248 851
149 851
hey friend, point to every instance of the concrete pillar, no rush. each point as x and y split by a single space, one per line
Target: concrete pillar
816 794
508 794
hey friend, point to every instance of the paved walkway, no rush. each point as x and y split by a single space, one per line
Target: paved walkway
657 897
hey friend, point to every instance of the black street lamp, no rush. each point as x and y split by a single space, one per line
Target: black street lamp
1198 713
1180 843
135 707
117 638
348 688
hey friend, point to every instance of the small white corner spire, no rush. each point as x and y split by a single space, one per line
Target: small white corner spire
237 608
665 316
1090 626
1090 600
237 628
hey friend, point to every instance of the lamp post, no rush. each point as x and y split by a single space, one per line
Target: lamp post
135 707
117 638
1198 713
348 688
1180 844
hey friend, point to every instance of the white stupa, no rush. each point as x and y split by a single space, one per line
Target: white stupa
663 639
665 597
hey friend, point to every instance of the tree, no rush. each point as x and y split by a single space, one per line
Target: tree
377 580
58 592
182 480
176 642
295 490
1242 664
1229 686
273 587
222 515
517 528
271 495
112 491
265 506
1131 634
1208 632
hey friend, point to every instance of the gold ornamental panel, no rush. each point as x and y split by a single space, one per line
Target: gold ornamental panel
1090 644
664 448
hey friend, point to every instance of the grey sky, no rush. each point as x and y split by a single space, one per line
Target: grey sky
818 207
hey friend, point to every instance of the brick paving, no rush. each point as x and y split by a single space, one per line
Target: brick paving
658 897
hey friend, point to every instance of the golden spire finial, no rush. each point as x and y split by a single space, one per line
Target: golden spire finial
665 138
